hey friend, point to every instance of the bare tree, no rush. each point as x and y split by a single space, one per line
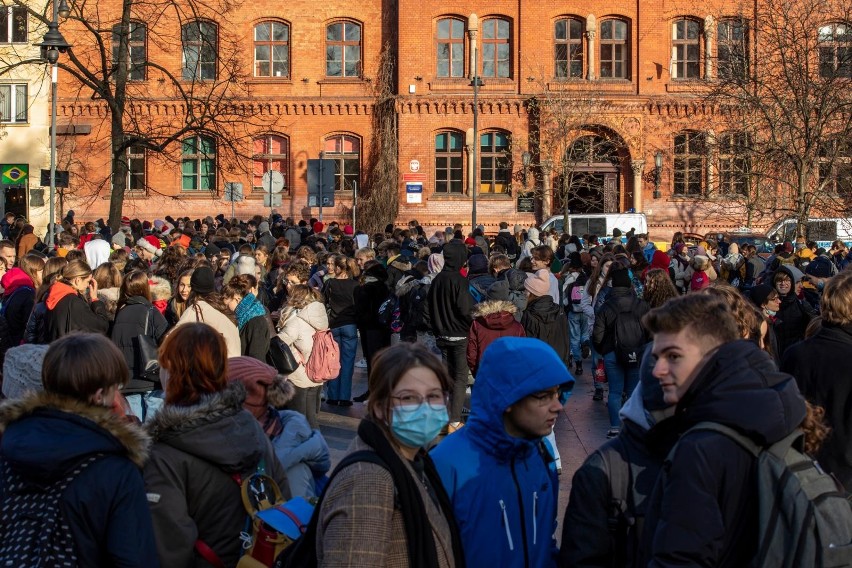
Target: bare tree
783 84
140 99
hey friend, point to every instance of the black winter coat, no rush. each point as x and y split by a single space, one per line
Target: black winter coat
74 313
821 367
17 309
45 436
130 322
369 297
704 510
792 320
621 302
255 336
449 302
545 320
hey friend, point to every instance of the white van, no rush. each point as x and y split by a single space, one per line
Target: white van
600 224
822 230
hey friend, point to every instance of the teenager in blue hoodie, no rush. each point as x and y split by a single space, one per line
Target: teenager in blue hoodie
497 470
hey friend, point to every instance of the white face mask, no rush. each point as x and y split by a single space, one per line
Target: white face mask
769 312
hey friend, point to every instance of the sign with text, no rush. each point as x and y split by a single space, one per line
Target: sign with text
414 192
526 202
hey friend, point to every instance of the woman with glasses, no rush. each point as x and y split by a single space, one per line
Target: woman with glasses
392 510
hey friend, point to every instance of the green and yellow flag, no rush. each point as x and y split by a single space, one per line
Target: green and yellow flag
14 174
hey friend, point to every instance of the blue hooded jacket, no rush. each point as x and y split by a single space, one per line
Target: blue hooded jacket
504 493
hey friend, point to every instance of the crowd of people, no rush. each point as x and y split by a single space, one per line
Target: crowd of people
137 373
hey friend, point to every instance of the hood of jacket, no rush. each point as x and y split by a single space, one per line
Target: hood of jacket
738 378
14 279
660 260
511 369
493 307
97 252
45 434
544 309
314 315
532 236
377 272
58 290
216 429
160 288
455 256
409 282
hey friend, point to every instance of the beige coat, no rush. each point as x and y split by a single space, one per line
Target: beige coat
359 527
218 321
296 329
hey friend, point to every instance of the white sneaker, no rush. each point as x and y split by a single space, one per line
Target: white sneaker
361 363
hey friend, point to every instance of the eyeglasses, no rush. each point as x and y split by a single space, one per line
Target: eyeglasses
546 397
411 402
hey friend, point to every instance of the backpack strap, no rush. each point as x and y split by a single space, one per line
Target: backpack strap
744 441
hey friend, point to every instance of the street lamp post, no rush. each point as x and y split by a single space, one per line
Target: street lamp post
50 47
526 157
658 173
475 82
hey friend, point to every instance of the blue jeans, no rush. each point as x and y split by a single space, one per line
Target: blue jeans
145 405
578 329
621 380
346 337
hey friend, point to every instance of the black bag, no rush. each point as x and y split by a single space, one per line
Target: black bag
281 356
630 337
146 364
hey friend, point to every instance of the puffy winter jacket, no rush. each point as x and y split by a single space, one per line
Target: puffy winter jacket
545 320
449 302
68 311
131 322
492 319
296 328
622 302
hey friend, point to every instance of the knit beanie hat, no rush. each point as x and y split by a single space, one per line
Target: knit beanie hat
760 294
498 291
125 221
150 244
435 263
263 385
22 370
244 265
477 264
202 280
516 279
318 227
539 283
621 278
211 250
348 230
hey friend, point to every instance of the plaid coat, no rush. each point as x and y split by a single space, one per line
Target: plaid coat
359 527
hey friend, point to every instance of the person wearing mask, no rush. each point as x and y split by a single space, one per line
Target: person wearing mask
135 317
73 305
69 434
393 510
203 438
205 305
497 470
253 322
448 315
620 339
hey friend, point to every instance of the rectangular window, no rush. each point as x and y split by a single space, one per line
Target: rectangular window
199 51
495 48
13 24
495 163
13 103
449 162
198 166
271 50
343 50
136 169
568 35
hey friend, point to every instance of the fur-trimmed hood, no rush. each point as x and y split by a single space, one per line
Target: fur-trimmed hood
216 429
408 283
489 307
45 434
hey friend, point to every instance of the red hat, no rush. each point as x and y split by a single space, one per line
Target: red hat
470 241
151 244
348 230
125 221
318 227
263 387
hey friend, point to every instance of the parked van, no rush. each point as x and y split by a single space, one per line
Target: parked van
600 224
823 230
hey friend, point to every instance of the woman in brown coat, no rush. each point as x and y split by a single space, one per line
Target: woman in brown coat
391 510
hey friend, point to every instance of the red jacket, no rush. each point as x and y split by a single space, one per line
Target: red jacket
492 319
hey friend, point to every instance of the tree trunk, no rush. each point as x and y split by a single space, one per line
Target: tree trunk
118 182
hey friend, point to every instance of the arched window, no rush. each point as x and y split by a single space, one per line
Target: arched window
272 50
732 49
345 150
568 40
690 161
135 36
199 42
449 162
343 49
734 162
198 163
495 160
686 49
449 40
614 52
496 48
271 152
835 50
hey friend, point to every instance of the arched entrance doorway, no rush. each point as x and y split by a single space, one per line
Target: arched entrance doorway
590 178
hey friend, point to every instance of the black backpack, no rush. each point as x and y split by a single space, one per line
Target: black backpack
33 531
510 244
303 552
804 514
416 304
630 336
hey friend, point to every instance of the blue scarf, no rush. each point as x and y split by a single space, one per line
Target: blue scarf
247 309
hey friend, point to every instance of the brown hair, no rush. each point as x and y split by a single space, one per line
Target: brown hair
542 253
239 286
836 302
388 367
740 308
31 264
135 283
301 295
299 269
596 274
341 264
498 263
196 359
107 276
707 317
658 288
75 269
78 364
815 428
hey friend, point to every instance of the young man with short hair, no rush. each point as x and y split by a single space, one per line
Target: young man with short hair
704 508
497 471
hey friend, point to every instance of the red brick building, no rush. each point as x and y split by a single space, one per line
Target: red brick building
630 74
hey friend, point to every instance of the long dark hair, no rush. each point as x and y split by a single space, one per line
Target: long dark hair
135 283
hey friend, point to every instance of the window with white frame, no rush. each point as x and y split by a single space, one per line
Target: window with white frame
13 103
13 24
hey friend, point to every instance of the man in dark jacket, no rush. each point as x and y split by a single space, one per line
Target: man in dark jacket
826 384
704 508
795 314
506 240
447 313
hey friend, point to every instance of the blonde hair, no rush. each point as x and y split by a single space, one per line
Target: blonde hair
75 269
836 302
